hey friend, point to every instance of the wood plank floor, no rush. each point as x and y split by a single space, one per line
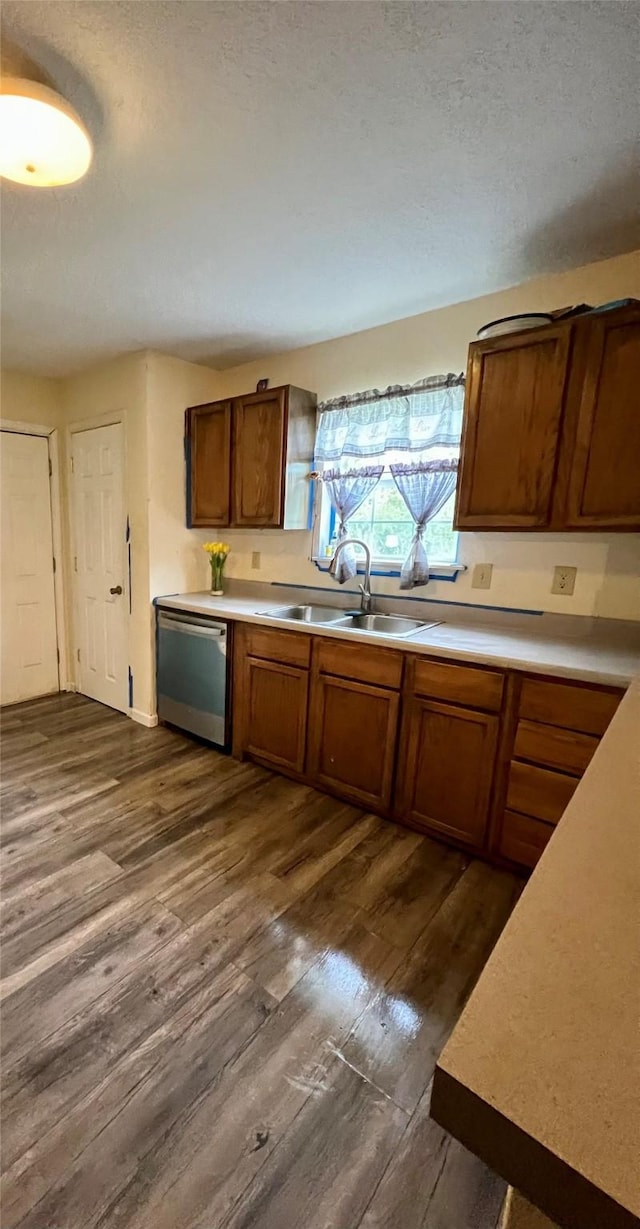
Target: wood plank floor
223 994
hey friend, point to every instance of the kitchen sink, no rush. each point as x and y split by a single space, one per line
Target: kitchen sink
309 614
385 625
349 620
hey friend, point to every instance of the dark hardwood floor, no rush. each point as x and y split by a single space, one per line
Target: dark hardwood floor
223 994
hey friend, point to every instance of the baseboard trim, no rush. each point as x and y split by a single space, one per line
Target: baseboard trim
143 718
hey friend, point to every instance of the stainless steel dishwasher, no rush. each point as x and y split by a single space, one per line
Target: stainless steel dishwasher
193 674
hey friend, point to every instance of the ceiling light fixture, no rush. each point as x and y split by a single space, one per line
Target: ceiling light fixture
42 140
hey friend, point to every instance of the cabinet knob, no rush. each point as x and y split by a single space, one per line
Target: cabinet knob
116 589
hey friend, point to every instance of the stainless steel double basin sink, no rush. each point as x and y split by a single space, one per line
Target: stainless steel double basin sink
349 620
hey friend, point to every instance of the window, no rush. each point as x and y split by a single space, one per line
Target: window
384 522
387 465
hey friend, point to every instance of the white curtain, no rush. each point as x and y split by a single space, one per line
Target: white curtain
412 419
425 487
347 491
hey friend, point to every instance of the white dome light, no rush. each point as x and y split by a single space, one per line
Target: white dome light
42 140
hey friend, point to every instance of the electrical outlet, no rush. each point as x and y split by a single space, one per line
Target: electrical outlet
255 559
564 581
481 576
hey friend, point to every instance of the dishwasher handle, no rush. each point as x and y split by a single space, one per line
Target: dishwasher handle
192 627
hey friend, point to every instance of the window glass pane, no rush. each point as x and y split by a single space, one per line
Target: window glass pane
384 522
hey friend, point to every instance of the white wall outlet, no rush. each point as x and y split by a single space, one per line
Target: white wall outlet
564 581
481 576
255 560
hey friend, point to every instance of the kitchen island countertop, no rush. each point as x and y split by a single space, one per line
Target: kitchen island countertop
540 1077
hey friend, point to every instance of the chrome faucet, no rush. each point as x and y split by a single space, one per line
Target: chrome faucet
365 589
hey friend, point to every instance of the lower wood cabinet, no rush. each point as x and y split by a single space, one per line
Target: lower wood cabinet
482 758
352 739
524 839
446 770
273 716
554 732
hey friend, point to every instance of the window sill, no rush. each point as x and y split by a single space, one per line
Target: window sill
383 567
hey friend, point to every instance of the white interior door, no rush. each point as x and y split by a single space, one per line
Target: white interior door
28 629
101 599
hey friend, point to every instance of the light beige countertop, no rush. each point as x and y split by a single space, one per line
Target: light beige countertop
541 1076
603 651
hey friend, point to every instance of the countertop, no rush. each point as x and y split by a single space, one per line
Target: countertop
541 1075
607 654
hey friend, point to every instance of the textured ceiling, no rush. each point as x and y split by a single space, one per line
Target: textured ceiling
272 174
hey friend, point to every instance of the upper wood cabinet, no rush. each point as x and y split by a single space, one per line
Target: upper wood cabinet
258 458
249 459
604 482
209 464
513 412
552 427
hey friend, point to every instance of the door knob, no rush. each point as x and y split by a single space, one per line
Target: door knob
116 589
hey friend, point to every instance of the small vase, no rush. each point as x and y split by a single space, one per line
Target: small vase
216 579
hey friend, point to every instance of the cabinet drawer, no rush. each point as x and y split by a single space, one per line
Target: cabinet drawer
539 792
288 647
361 662
524 839
574 708
460 684
554 747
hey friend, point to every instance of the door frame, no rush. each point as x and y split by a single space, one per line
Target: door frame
117 418
51 434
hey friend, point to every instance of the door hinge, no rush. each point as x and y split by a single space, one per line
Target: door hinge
75 563
71 460
78 654
58 655
50 467
54 563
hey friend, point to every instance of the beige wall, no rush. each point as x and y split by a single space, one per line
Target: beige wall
175 553
25 398
177 562
608 565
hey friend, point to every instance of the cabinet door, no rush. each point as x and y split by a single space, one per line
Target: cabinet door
352 739
273 712
208 448
513 414
604 481
258 459
446 770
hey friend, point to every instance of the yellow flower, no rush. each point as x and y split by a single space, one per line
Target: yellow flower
216 548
